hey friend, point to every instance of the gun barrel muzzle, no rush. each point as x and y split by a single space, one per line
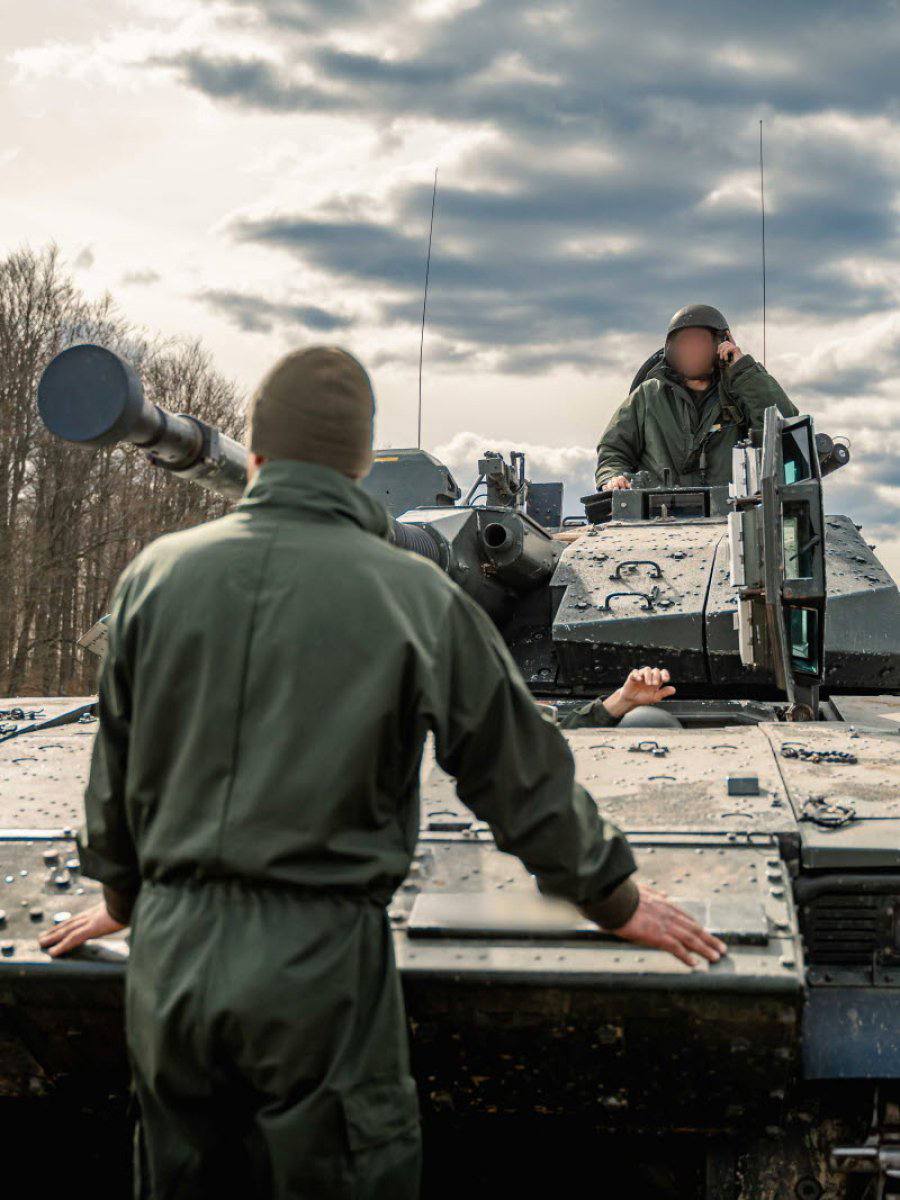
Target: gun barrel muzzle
91 396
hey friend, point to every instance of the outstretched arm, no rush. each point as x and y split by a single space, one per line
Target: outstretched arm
620 448
644 685
514 770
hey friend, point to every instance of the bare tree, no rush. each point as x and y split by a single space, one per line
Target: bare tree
70 519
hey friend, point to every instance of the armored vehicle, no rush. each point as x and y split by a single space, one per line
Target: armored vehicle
766 799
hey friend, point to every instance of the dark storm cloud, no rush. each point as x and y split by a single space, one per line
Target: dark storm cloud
251 83
602 61
542 250
491 296
876 511
513 276
669 95
257 314
883 469
304 15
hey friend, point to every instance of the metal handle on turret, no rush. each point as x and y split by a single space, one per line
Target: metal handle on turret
655 572
646 599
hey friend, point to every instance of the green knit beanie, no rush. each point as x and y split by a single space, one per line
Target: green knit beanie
315 405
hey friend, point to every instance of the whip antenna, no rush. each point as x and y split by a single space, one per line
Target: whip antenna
762 212
424 306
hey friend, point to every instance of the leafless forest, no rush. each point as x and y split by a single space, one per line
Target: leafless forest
70 519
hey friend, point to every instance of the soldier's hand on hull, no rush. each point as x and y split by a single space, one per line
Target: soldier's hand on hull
94 922
644 685
616 484
661 925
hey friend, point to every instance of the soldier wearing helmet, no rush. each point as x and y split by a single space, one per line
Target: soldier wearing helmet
688 406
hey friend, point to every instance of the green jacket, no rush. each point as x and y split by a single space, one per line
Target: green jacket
270 680
659 425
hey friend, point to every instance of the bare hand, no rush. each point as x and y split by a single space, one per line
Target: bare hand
94 922
645 685
662 925
729 353
616 484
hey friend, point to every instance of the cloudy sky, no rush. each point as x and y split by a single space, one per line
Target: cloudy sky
258 173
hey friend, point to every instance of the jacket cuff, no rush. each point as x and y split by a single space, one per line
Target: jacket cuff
601 714
614 909
745 363
119 905
593 715
114 875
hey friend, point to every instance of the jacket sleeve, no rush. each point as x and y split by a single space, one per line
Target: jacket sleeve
105 845
755 390
514 770
593 715
622 444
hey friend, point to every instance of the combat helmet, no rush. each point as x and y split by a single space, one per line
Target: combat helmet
693 315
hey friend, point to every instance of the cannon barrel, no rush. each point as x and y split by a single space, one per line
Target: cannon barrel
92 397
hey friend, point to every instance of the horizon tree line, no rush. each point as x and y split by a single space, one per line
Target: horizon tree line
72 518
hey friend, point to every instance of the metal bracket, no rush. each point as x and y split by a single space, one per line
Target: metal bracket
879 1155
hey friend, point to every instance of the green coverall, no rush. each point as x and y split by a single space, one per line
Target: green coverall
270 680
660 426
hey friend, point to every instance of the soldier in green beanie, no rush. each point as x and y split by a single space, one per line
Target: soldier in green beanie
253 805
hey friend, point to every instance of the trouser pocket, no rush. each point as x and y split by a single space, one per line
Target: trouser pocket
382 1124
